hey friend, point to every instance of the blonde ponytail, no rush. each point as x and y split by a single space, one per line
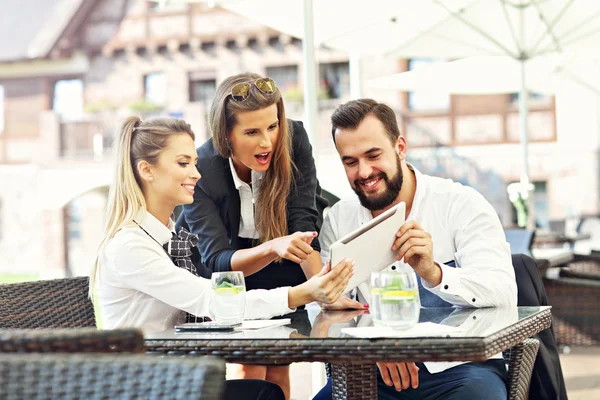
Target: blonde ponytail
137 141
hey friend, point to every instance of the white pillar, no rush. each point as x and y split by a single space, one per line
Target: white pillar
310 75
523 111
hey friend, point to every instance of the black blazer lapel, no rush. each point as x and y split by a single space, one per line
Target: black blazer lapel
233 208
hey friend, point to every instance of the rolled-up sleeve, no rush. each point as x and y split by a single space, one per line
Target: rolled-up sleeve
484 275
302 210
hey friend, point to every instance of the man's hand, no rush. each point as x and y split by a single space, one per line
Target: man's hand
416 247
344 303
400 375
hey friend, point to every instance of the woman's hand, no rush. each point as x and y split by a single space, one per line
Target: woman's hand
329 284
345 303
325 287
295 247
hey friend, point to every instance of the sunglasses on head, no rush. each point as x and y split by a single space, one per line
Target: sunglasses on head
240 91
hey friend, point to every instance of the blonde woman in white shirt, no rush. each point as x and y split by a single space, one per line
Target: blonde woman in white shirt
134 280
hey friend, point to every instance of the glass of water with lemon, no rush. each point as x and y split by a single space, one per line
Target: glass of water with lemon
395 299
228 301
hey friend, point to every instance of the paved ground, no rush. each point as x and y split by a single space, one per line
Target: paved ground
581 368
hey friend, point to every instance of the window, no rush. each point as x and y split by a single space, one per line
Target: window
1 109
155 85
533 97
334 78
285 77
74 225
68 98
426 100
541 204
202 89
166 6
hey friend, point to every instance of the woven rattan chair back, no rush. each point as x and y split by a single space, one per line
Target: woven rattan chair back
86 340
520 367
58 303
115 377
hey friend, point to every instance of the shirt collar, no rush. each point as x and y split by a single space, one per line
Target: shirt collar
419 192
256 176
159 232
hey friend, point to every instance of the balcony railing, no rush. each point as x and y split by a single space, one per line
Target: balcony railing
85 139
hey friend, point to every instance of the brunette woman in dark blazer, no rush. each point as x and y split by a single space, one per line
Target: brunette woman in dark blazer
255 209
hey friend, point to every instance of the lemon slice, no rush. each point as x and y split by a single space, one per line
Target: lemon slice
397 293
227 291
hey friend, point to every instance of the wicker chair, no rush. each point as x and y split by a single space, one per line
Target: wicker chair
575 312
521 359
87 340
583 267
58 303
76 376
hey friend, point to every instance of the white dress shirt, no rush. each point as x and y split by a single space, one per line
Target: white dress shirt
248 195
138 286
464 228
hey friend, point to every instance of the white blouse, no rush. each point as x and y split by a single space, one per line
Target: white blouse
248 195
138 286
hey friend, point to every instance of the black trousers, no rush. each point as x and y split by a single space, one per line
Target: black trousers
251 389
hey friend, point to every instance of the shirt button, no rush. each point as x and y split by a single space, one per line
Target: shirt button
473 299
446 287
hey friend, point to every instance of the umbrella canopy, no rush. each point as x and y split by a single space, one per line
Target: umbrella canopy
521 29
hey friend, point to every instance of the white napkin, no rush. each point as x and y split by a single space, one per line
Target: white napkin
424 329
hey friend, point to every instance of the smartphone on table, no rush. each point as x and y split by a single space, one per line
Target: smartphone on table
208 326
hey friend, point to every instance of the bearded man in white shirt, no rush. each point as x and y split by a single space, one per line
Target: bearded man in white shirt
452 238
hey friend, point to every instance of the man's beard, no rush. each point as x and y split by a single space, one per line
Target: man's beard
379 202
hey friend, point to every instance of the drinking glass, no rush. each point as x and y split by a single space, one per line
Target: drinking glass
395 298
228 301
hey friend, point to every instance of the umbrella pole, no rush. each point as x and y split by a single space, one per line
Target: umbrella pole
310 76
356 88
523 111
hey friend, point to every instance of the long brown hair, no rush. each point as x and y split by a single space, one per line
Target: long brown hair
271 210
137 141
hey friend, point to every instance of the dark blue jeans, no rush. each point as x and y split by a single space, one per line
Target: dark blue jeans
251 389
463 382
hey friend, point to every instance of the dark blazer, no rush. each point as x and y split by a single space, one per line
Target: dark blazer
547 380
215 214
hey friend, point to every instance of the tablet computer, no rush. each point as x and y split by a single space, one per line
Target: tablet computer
370 246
